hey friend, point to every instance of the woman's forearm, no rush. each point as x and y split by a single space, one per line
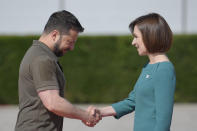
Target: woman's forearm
107 111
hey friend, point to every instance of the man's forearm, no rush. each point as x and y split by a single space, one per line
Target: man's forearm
64 108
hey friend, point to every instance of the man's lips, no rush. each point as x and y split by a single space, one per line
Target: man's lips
66 50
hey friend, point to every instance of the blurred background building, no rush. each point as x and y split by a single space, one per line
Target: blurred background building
99 17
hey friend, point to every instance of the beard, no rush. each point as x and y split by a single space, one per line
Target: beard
58 52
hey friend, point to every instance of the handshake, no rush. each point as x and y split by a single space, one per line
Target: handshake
94 116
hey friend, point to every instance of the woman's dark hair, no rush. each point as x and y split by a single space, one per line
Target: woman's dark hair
156 33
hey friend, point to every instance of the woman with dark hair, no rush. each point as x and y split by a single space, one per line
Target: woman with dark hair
152 98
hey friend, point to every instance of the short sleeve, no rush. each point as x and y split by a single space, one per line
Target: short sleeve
43 71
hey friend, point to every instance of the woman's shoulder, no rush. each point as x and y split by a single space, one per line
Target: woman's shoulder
165 68
166 65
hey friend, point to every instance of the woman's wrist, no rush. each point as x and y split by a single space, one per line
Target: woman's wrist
107 111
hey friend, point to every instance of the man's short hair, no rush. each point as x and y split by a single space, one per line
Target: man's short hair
156 33
63 21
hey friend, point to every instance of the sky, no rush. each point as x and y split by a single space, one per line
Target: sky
24 17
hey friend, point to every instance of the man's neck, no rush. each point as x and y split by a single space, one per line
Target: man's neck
45 40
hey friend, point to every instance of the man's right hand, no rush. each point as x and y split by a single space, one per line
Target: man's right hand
94 116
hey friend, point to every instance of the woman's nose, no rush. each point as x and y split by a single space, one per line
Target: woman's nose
133 42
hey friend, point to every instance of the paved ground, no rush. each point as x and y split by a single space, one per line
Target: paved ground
184 119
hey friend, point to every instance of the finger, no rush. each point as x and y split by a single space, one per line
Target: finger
89 108
98 118
98 111
90 111
94 112
90 124
98 115
87 124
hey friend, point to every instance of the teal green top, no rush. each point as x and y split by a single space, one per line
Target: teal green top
152 98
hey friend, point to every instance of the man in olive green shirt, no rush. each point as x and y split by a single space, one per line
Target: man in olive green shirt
42 105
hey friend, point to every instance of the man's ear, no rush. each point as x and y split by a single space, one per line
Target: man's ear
55 35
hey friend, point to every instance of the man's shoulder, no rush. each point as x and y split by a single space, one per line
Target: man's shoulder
36 53
42 60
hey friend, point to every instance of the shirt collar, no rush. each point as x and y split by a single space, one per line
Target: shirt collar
46 48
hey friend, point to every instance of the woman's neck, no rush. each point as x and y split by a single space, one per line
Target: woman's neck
157 57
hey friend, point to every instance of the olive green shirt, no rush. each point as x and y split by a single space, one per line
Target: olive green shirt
39 70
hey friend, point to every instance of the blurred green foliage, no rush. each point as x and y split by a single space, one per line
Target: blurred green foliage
101 69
